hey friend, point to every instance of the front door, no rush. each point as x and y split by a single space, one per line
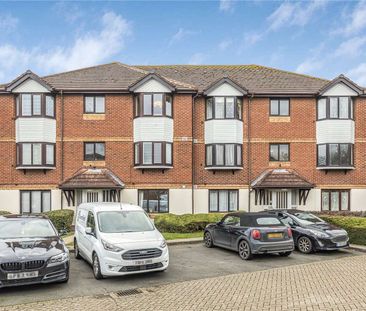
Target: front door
281 199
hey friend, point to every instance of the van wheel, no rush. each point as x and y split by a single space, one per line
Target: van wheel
245 252
96 268
76 250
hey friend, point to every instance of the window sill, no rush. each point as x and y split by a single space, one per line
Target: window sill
93 163
223 168
335 168
36 167
94 116
164 167
279 119
279 163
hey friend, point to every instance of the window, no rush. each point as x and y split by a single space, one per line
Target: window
94 104
224 155
223 108
279 107
232 221
335 200
35 105
156 104
223 200
35 201
154 201
90 222
279 152
94 151
153 153
35 154
335 155
335 108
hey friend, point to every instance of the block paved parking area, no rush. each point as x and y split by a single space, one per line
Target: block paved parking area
335 281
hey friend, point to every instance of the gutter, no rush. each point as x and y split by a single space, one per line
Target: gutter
193 162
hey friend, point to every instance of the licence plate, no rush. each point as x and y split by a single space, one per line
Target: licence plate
342 244
274 235
22 275
143 262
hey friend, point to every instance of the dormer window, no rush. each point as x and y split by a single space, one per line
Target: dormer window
335 107
223 108
153 105
35 105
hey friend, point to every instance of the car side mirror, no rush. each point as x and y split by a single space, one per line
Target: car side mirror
89 230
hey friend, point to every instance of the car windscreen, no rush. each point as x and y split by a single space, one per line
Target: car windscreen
268 221
124 221
307 218
26 228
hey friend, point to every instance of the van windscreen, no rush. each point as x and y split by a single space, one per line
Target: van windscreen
123 221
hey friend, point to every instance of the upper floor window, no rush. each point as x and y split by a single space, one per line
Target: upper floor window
155 104
35 105
335 108
224 155
36 154
280 107
94 104
153 153
223 108
94 151
279 152
335 155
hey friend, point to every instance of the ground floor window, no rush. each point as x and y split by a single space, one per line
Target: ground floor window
154 201
223 200
35 201
335 200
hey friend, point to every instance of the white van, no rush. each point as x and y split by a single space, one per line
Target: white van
118 239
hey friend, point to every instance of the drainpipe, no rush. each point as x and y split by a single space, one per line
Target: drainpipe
62 144
193 162
249 153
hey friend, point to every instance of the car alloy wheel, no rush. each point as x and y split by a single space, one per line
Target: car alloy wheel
208 240
96 267
76 250
305 245
244 250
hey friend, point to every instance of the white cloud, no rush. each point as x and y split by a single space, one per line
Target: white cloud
226 5
225 44
180 35
356 21
358 74
197 59
8 22
87 49
69 11
351 47
310 66
253 38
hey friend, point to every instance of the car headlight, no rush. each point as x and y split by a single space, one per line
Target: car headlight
56 260
111 247
163 244
319 234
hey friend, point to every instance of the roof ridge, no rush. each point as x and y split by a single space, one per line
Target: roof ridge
132 67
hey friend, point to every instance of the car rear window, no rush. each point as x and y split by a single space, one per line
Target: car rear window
268 221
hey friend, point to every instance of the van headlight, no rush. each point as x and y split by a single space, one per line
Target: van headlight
111 247
56 260
162 244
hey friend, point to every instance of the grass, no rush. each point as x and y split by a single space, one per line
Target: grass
177 236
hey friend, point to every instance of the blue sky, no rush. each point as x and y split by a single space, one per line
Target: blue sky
321 38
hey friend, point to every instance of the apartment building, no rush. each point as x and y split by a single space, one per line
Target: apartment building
182 139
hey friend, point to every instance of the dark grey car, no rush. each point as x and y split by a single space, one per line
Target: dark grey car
249 234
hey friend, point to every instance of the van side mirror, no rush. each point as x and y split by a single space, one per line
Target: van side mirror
89 231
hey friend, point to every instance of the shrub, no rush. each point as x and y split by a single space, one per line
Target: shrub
4 213
355 226
185 223
62 219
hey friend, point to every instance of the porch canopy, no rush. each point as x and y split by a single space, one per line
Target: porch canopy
92 178
280 179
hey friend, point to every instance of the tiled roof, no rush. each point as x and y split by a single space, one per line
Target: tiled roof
93 178
281 178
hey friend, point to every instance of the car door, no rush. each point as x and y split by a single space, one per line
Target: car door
289 221
90 239
223 232
80 230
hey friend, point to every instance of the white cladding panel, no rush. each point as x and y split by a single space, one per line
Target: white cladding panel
153 129
180 201
35 130
340 89
335 131
223 131
30 86
152 86
225 89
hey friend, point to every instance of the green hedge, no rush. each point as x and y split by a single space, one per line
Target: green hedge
4 213
185 223
355 226
62 219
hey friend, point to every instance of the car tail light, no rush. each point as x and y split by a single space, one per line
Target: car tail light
256 234
289 232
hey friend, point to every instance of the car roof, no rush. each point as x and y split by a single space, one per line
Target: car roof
289 211
251 214
23 216
109 207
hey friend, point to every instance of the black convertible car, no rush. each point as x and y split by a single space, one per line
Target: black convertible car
312 233
249 234
31 251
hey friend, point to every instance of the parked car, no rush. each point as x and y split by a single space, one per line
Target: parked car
249 234
118 239
31 251
311 233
